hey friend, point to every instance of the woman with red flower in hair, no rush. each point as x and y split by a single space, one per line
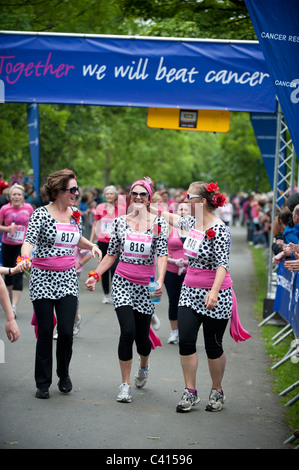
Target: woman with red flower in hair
55 230
206 297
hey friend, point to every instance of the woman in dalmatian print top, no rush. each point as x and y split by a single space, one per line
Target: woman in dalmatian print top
206 297
55 230
139 238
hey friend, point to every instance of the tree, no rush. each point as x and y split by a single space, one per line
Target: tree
113 145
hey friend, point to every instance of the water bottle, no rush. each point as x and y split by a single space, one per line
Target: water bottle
151 288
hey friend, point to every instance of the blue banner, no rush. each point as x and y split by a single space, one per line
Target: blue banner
287 296
276 26
33 131
265 127
130 71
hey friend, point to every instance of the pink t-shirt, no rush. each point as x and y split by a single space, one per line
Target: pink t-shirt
175 250
106 218
20 216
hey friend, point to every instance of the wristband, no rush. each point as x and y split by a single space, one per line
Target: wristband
21 258
9 272
95 275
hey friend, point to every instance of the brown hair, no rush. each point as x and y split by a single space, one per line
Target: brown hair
58 181
201 190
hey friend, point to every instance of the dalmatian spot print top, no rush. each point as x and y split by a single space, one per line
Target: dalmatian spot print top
43 234
212 254
125 292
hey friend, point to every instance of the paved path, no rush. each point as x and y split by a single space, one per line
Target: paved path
90 417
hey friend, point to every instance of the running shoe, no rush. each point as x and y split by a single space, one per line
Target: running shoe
216 400
141 377
187 401
174 337
155 322
76 328
124 395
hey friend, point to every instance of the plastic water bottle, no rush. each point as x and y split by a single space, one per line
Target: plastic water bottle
151 288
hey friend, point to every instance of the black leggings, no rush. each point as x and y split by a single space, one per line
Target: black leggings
173 283
9 258
65 309
105 277
213 329
134 326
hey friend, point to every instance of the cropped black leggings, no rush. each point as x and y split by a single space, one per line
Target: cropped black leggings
213 330
134 326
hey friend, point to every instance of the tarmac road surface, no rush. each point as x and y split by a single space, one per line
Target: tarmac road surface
91 418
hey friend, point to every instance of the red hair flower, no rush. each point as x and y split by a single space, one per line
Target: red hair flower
156 229
210 233
218 200
76 215
212 187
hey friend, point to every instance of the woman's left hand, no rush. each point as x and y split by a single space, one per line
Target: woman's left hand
96 251
159 289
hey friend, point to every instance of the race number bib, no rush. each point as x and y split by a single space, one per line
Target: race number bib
137 245
192 243
18 235
67 236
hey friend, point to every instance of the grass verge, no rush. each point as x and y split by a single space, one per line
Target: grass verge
287 373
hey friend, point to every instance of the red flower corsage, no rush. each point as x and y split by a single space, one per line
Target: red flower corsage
156 229
95 275
218 200
212 187
210 233
76 215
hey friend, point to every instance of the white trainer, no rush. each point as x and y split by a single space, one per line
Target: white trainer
124 395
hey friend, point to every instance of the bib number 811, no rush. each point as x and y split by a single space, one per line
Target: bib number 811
171 459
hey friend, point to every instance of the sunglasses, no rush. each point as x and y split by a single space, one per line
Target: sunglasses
142 195
191 196
73 190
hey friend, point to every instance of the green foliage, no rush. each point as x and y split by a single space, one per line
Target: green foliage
114 145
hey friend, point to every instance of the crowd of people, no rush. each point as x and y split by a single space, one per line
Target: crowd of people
181 237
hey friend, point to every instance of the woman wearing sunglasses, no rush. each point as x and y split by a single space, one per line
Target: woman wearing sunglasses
206 296
55 230
104 215
138 238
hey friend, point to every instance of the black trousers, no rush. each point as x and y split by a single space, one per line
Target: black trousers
173 283
9 258
65 310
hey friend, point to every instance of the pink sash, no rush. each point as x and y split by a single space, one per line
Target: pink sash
34 322
155 340
54 263
204 278
136 273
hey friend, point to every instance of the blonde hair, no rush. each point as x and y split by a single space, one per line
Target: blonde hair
16 186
